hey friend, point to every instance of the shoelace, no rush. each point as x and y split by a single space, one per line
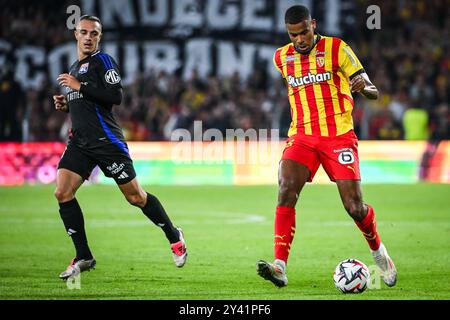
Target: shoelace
277 269
72 263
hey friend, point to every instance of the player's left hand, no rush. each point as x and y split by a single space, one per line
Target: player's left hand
67 80
357 84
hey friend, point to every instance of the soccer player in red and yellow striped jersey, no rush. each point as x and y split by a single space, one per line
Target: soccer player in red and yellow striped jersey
319 86
321 74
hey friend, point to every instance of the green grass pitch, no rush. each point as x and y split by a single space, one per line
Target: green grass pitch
227 229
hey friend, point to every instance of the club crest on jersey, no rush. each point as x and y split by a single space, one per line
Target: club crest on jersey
112 77
84 68
320 61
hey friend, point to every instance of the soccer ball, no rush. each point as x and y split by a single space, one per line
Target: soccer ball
351 276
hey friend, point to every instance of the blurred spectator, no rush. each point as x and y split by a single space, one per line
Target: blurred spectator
408 60
439 124
390 129
415 122
398 105
11 106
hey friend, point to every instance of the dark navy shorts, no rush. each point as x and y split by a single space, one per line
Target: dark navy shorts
113 161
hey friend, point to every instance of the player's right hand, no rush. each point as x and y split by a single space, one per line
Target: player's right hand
60 103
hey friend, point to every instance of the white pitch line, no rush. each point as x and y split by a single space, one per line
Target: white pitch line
233 219
114 222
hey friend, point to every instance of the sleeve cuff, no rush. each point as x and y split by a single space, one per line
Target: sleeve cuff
357 72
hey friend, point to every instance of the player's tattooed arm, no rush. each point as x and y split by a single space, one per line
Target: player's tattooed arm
362 84
60 102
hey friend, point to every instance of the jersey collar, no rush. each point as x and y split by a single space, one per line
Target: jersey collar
89 56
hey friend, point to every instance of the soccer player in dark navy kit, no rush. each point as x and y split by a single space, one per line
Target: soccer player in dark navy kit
93 86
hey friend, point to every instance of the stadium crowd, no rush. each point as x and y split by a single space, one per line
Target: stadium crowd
407 60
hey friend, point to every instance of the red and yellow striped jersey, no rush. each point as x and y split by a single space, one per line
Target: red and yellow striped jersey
319 86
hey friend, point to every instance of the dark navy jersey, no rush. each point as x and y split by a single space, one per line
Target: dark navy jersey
93 124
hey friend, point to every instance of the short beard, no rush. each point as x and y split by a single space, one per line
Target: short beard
303 52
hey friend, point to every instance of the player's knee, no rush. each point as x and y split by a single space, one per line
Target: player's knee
136 200
354 208
287 192
63 195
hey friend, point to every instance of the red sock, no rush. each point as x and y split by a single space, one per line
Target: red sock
368 228
284 232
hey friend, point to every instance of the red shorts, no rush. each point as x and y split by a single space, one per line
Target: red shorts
338 155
